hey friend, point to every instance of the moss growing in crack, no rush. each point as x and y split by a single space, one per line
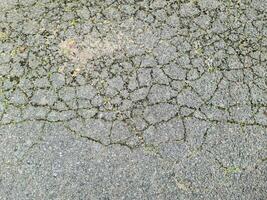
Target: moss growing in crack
211 69
49 74
194 2
5 104
151 149
194 153
106 100
242 126
232 170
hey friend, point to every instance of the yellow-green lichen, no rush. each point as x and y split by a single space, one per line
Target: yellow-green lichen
3 36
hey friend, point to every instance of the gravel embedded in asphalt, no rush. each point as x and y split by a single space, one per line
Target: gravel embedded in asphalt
133 99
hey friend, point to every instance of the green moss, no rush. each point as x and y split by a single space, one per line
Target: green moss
211 69
195 1
232 170
49 74
151 149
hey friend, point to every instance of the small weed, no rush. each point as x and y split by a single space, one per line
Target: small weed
199 51
74 22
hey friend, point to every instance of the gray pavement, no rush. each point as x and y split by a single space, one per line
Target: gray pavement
133 99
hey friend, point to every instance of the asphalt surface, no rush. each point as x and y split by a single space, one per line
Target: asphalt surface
133 99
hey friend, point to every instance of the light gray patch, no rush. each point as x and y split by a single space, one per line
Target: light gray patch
188 9
139 94
261 116
165 52
189 98
144 77
58 80
97 129
175 72
159 112
160 93
44 97
120 132
18 98
116 83
209 4
170 131
31 112
86 92
241 113
67 93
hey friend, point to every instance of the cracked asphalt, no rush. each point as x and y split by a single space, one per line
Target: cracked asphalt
133 99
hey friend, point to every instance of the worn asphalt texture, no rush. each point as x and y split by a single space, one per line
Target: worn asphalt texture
133 99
